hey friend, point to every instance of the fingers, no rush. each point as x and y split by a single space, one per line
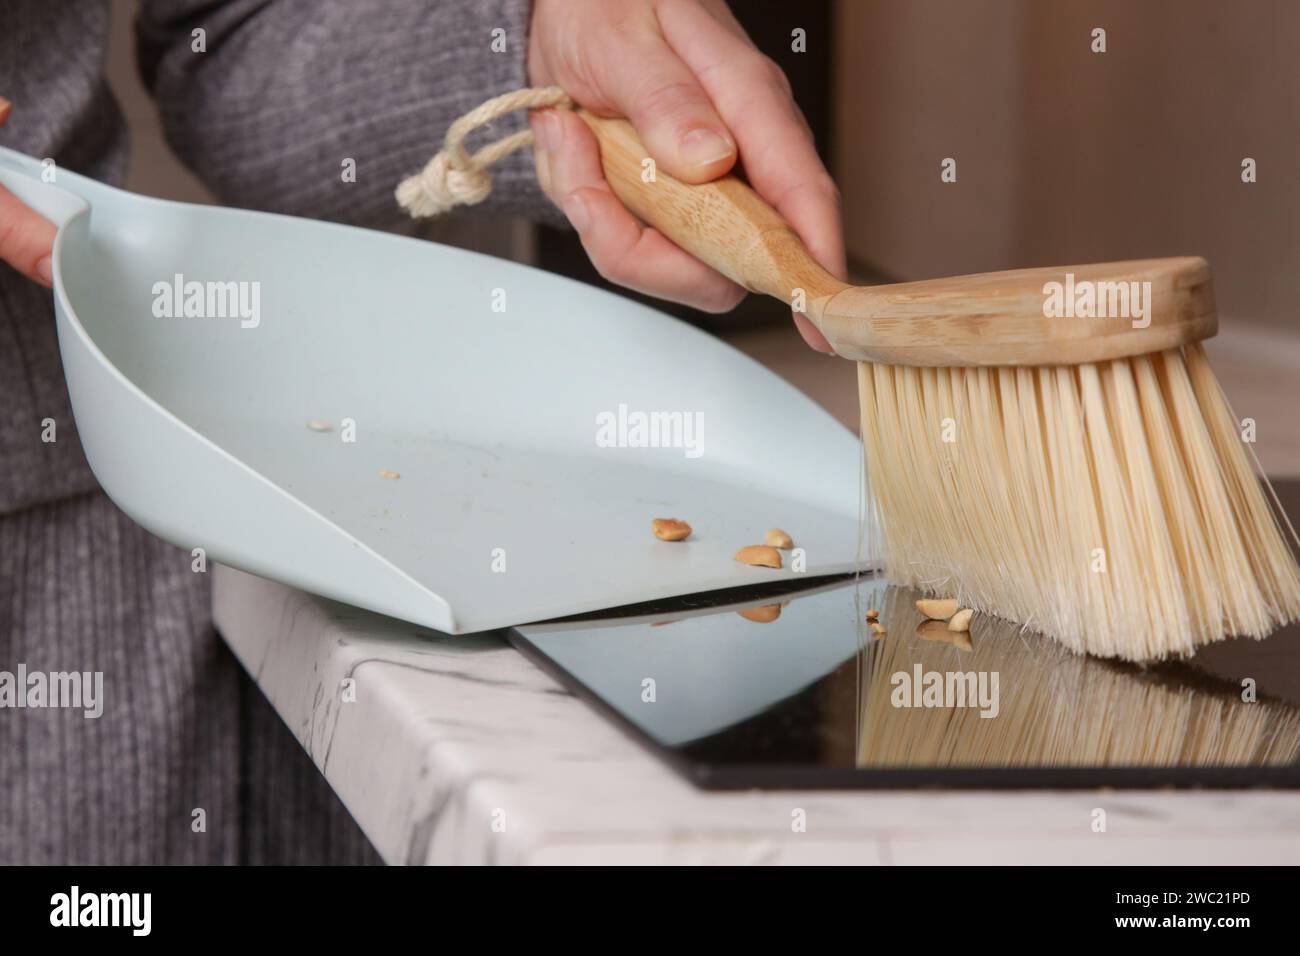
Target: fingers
700 96
722 13
811 334
649 84
621 249
26 239
753 97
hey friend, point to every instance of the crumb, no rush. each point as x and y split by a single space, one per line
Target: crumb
670 529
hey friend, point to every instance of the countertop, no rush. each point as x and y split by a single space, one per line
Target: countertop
459 750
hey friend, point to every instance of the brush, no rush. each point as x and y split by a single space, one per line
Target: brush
1028 450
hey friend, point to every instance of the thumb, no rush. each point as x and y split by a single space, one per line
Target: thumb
671 112
26 238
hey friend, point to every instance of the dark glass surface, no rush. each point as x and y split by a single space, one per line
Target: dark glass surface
812 698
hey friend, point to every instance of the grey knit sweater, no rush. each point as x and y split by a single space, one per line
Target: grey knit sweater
282 91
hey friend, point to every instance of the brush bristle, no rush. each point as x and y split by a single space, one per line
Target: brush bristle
1111 506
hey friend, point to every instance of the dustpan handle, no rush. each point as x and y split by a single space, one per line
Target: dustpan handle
40 185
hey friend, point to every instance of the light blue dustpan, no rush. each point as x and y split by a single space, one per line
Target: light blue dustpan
509 507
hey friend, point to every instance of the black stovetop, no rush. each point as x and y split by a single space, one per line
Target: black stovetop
813 699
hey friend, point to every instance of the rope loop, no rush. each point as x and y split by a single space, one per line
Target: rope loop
454 177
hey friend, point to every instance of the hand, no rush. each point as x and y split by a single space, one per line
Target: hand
26 237
700 96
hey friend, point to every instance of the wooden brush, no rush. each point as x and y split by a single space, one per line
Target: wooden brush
1081 475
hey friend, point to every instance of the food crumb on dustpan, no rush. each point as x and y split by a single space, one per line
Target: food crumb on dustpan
759 555
670 529
776 538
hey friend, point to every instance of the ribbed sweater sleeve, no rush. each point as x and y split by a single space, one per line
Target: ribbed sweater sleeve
284 93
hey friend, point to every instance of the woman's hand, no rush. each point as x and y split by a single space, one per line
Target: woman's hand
26 237
700 96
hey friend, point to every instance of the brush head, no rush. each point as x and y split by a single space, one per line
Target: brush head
1112 506
1062 315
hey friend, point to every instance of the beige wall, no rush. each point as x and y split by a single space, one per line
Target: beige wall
1064 155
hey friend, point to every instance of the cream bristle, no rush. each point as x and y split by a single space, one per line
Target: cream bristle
1112 506
1055 709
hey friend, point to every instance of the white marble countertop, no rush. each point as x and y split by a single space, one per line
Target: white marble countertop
460 750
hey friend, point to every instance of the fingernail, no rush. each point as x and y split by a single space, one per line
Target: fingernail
702 147
45 270
575 207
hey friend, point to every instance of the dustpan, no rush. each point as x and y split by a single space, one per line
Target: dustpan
512 433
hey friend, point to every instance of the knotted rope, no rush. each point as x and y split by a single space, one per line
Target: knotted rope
454 177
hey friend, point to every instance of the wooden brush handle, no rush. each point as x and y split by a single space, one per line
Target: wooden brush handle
723 223
995 318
